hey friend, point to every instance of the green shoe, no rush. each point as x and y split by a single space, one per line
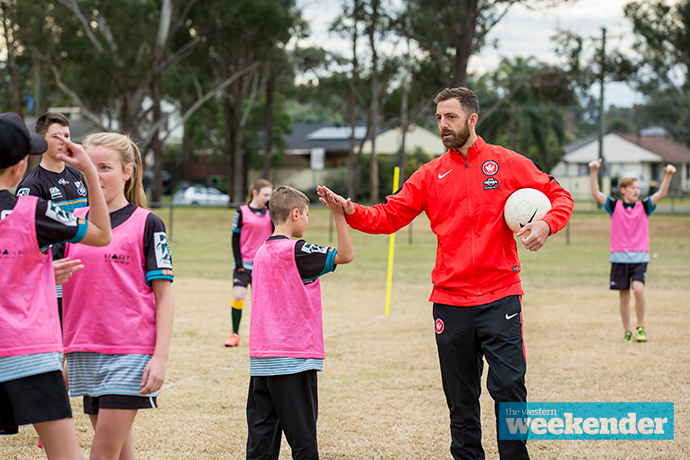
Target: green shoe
627 337
640 335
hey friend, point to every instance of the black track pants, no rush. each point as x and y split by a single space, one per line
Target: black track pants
464 335
282 403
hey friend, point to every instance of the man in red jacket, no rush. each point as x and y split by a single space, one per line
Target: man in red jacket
477 292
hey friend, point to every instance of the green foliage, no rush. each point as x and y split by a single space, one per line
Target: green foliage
662 34
387 164
529 119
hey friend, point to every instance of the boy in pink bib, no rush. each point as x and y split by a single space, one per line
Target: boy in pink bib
286 335
629 242
32 389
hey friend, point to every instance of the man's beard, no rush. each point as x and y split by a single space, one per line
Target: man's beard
457 140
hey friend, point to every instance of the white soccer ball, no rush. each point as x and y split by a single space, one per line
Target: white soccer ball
525 206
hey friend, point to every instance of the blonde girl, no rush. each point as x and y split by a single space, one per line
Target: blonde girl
118 310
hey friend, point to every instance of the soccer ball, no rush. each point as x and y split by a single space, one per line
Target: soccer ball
525 206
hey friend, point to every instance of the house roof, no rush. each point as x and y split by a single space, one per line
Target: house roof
336 138
670 151
388 142
617 149
329 136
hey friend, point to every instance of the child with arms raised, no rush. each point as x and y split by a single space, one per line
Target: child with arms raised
286 335
629 242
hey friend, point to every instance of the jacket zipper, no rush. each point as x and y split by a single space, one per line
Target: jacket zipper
469 209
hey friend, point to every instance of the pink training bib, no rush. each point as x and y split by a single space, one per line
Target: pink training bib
107 306
29 321
629 228
286 318
254 232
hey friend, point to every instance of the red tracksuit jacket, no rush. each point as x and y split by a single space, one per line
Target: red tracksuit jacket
476 256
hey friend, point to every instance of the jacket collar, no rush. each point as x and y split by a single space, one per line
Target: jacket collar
474 151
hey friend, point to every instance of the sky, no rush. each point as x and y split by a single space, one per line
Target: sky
522 32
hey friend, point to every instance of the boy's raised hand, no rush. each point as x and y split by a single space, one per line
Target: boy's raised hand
75 155
594 165
331 202
670 169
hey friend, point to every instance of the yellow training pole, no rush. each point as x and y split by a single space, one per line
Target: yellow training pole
391 247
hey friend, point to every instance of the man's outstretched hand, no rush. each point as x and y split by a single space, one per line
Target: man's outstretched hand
326 194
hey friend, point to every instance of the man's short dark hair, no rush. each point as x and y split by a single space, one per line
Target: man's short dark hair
50 118
468 100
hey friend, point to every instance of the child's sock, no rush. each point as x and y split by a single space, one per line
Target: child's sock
236 315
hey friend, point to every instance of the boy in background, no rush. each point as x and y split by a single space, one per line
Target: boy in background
629 254
286 335
54 180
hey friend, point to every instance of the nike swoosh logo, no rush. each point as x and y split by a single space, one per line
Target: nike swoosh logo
511 316
441 176
530 219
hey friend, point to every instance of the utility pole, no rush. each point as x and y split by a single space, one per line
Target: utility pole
602 78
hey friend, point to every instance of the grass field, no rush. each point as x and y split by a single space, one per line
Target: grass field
380 392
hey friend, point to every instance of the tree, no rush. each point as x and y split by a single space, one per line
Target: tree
528 117
109 58
450 32
241 33
662 35
8 13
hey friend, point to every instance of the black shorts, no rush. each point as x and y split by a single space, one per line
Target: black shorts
123 402
622 274
34 399
243 278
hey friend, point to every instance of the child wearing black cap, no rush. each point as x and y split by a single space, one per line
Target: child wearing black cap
32 389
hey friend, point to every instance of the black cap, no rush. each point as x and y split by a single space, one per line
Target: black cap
16 142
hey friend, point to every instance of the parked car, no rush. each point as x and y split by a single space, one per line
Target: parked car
201 196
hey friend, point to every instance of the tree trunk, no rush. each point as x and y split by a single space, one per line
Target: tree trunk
8 27
129 123
463 38
270 92
512 129
352 158
229 142
374 163
156 144
238 177
403 130
186 146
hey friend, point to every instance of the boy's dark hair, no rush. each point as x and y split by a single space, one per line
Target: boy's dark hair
50 118
468 100
283 200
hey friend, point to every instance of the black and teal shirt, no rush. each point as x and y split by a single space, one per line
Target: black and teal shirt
66 189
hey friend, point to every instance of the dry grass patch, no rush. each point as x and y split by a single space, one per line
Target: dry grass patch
380 392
